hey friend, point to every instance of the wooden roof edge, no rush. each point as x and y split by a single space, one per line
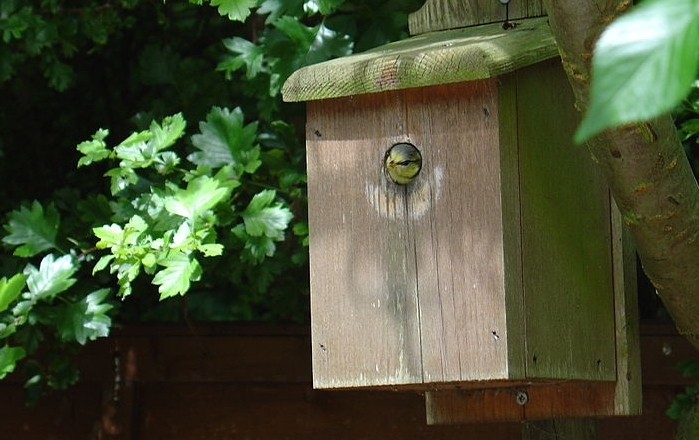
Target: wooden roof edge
442 57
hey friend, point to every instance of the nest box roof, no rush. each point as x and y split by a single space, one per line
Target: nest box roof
434 58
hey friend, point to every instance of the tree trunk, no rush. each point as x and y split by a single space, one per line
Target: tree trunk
646 168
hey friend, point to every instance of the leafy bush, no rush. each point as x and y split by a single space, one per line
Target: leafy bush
214 210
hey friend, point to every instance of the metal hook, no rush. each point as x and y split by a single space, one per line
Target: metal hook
507 24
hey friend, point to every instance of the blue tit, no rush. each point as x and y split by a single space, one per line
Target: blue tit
402 163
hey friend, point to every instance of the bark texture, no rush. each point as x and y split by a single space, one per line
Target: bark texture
646 168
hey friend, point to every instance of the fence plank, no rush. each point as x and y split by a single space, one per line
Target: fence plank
262 390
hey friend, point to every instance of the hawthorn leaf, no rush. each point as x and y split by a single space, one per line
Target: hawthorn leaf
263 219
102 263
8 359
114 236
86 319
140 149
225 140
53 276
33 229
7 330
166 135
94 150
276 8
296 31
643 64
181 236
10 289
133 151
180 270
237 10
328 44
211 249
255 249
247 53
202 193
109 235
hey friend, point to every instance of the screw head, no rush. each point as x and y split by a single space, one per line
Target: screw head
522 398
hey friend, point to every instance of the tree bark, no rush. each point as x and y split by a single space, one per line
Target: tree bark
646 169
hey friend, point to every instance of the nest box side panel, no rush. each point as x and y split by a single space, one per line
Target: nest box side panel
459 236
364 313
566 236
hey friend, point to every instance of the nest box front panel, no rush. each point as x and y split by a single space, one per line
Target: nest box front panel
407 281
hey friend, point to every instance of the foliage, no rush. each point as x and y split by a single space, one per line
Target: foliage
687 121
685 406
214 211
643 64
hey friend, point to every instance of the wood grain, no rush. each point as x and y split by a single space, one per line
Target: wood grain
566 236
459 238
364 296
437 15
257 394
560 308
436 58
407 283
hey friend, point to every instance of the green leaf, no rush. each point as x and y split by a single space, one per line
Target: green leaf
643 64
276 8
7 330
689 368
295 30
8 359
237 10
202 194
324 7
211 249
109 235
180 270
102 263
10 289
688 426
53 276
86 319
145 149
13 23
224 140
94 150
128 246
255 249
126 273
261 219
166 134
248 54
328 44
33 229
60 75
139 150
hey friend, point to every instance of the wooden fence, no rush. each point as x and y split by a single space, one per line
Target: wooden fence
254 382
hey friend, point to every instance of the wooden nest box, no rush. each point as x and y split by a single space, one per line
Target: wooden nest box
497 277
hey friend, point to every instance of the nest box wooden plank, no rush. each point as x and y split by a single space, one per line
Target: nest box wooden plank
495 266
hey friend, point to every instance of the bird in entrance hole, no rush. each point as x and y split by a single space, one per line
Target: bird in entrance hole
402 163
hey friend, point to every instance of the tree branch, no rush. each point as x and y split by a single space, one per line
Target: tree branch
646 169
